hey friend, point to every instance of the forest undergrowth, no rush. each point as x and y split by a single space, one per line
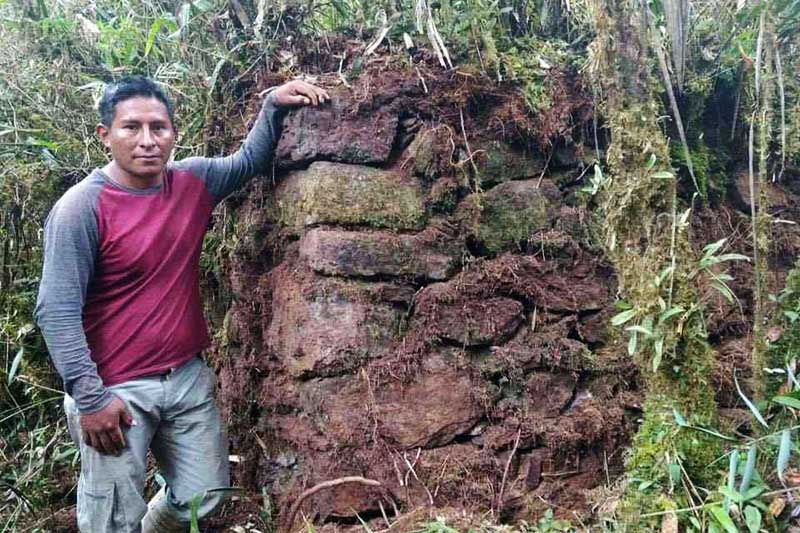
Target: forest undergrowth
685 95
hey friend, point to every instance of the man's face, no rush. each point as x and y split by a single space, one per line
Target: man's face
141 136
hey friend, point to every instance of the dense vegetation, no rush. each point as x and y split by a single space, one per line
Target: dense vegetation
684 94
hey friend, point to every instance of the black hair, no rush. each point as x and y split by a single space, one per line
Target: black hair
130 88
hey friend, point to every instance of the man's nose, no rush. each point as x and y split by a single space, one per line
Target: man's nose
146 137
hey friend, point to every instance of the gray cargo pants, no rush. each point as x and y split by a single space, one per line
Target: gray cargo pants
177 418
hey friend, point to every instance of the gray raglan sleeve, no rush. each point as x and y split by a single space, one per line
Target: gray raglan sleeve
224 175
70 249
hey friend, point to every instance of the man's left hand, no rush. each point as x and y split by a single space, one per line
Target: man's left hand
299 93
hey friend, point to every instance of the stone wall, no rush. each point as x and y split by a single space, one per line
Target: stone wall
408 314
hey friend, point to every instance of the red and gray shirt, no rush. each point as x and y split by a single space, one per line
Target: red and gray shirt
119 296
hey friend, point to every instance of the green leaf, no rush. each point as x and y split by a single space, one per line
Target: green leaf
675 472
751 493
669 313
724 290
15 365
194 506
203 5
658 346
711 249
731 257
651 162
623 317
663 275
644 485
788 401
663 175
784 452
752 518
750 405
632 343
679 418
712 433
639 329
733 464
731 495
749 468
151 36
723 519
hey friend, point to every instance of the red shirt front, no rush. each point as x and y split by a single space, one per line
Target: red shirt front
143 313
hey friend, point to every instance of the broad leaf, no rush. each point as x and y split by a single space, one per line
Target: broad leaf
623 317
788 401
752 518
724 520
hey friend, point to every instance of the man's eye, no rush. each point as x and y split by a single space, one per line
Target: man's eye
130 126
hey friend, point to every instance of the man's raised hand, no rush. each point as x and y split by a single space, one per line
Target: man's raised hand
103 430
298 93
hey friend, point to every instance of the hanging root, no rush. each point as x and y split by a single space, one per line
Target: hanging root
326 485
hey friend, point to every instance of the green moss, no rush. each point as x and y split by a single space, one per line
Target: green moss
350 195
500 163
529 63
639 214
710 168
508 215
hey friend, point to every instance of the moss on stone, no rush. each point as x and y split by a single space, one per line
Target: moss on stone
331 193
507 215
497 162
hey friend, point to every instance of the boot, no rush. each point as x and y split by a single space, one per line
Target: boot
159 519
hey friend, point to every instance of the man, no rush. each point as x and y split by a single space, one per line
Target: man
119 306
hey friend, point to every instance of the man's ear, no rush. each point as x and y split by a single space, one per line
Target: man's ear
102 131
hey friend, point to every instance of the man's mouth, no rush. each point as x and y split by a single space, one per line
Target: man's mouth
149 157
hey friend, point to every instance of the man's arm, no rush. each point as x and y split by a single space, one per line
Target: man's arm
224 175
70 248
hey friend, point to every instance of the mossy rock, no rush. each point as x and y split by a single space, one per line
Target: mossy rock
335 193
431 152
497 162
504 218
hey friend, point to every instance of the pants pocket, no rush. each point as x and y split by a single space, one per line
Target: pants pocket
96 508
110 507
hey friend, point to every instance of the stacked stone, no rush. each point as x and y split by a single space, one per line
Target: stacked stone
426 321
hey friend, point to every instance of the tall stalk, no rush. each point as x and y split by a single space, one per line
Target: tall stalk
761 120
